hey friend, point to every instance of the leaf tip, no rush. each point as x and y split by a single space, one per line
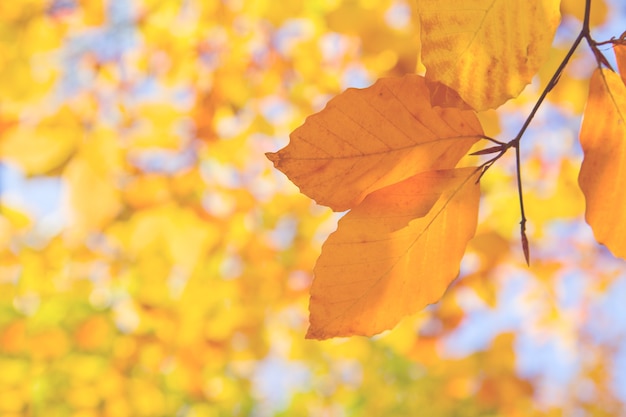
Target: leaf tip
313 334
272 156
525 247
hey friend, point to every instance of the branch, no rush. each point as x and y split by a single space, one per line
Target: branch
515 142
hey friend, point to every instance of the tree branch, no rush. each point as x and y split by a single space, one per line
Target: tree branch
515 142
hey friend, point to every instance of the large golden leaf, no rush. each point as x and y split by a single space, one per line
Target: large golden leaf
602 175
393 254
487 50
367 139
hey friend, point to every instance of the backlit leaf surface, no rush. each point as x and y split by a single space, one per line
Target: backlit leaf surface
393 254
367 139
487 50
603 172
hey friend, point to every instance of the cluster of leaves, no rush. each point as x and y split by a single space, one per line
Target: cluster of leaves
152 263
390 154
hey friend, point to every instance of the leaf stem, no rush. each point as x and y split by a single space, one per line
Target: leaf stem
593 45
521 205
585 28
492 140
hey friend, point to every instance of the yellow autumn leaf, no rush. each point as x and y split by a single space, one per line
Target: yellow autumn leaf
393 254
367 139
601 178
487 50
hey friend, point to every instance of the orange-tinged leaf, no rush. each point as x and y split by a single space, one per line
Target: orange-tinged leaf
393 254
367 139
487 50
602 178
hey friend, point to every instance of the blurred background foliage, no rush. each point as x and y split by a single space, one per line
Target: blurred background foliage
153 263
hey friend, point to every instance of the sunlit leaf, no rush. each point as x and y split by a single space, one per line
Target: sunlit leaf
603 139
367 139
487 50
175 282
393 254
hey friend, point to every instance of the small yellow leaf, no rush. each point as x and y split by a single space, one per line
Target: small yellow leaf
487 50
393 254
368 139
601 178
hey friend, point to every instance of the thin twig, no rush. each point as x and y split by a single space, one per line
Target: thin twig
584 34
515 142
551 84
521 206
